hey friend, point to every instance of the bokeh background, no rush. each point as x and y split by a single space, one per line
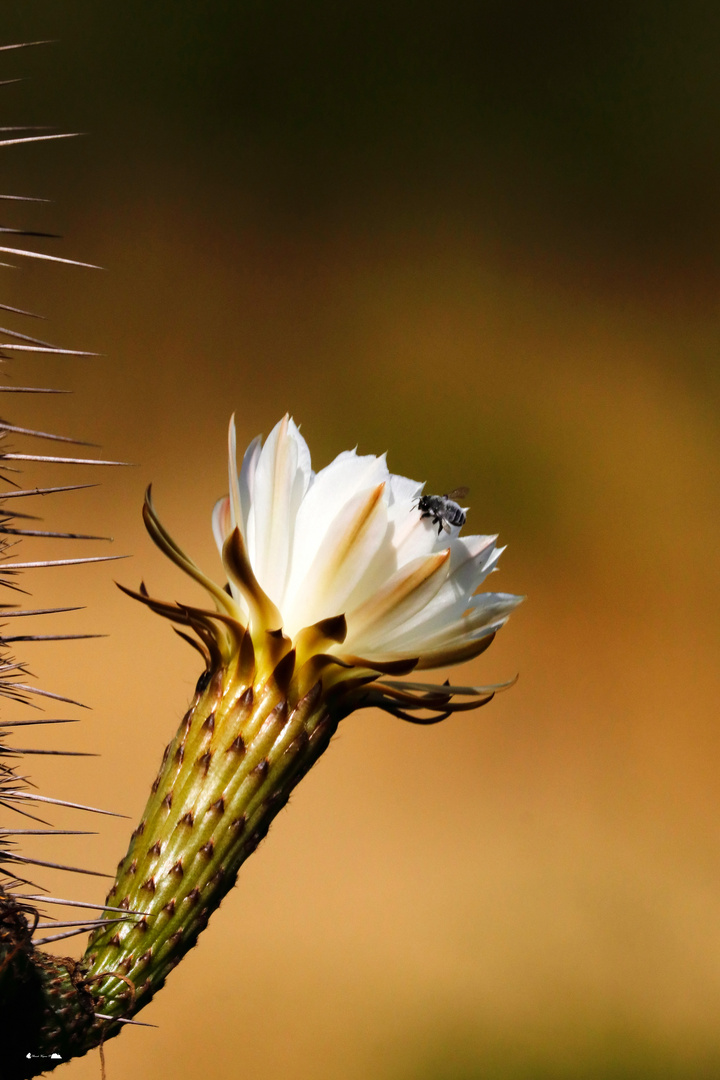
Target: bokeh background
483 237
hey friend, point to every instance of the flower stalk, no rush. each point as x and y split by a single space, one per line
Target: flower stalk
237 755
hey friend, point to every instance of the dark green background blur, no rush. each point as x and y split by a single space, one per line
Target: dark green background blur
484 238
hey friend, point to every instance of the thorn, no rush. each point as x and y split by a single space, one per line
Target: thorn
31 817
7 345
7 307
15 515
37 254
27 232
60 460
42 138
67 934
83 904
28 796
30 389
118 1020
55 753
22 881
43 434
6 855
10 687
11 567
28 127
46 533
85 929
31 723
49 637
36 611
46 832
44 491
15 588
26 44
80 922
15 334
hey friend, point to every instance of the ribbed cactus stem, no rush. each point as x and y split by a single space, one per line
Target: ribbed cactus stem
236 757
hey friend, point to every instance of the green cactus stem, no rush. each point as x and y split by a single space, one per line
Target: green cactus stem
237 755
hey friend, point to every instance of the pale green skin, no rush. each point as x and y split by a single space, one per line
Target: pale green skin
231 767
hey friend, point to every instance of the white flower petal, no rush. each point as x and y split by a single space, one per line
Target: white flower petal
485 609
404 493
468 558
280 480
332 488
243 486
372 625
352 541
222 523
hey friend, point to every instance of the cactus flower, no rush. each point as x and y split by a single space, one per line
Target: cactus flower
336 585
347 542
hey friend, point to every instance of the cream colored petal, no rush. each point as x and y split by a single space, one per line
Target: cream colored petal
222 524
469 557
244 484
388 558
348 548
331 489
404 494
411 537
371 626
453 651
233 485
303 450
280 482
483 611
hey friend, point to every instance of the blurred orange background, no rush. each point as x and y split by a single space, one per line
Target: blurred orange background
482 238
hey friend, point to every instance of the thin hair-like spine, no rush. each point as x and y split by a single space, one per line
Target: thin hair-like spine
46 1003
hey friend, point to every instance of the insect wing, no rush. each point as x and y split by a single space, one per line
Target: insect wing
458 493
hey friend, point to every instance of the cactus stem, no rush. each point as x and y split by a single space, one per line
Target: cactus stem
237 755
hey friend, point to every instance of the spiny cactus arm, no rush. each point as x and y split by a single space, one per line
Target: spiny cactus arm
45 1002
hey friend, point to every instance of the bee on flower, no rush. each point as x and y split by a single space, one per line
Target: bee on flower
337 586
344 543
